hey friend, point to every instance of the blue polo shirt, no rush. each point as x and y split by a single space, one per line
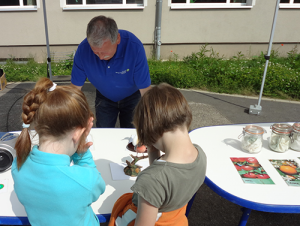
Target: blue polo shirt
125 73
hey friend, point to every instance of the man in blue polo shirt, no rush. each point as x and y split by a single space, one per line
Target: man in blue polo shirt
114 61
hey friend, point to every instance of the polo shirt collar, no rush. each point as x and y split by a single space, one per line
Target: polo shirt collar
49 158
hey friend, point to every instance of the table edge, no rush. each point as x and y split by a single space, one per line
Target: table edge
24 220
252 205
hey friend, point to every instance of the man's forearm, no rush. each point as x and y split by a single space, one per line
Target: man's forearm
143 91
77 87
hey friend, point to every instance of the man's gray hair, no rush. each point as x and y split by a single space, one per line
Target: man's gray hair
100 29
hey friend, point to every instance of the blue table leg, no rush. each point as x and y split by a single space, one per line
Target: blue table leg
245 216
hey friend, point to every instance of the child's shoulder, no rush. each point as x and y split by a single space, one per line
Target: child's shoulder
162 172
201 154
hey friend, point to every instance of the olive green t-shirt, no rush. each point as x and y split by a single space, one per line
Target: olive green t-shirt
169 186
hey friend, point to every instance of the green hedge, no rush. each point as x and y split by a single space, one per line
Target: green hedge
32 71
206 70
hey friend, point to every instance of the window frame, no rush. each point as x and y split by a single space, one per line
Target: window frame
84 6
21 7
290 5
227 5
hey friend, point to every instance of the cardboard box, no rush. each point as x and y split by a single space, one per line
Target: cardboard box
3 82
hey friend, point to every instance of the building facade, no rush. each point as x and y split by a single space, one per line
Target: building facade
228 26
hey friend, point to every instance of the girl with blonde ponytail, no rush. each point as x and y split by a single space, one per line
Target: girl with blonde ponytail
52 191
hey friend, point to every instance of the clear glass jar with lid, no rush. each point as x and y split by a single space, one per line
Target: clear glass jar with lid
280 137
252 138
295 141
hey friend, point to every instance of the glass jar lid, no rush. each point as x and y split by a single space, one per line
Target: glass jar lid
253 129
282 128
296 126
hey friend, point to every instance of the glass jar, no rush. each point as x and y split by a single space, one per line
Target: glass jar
295 141
280 138
252 139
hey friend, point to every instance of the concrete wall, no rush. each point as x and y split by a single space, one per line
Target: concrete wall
228 31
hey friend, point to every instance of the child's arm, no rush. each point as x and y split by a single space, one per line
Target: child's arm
153 154
146 213
90 177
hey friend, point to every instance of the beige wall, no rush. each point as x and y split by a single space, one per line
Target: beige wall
182 31
230 25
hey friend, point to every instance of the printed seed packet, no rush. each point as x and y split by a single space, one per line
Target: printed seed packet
251 171
288 169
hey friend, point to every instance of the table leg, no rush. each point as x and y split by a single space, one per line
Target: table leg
245 216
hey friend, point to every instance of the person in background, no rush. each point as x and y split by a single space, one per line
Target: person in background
162 190
53 191
114 61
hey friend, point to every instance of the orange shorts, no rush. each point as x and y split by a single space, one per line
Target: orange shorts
124 204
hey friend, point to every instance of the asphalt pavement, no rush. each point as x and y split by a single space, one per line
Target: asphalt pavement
208 109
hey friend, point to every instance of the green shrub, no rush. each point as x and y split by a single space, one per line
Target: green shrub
238 74
175 73
30 71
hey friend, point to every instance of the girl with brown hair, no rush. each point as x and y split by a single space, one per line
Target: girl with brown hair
162 190
53 191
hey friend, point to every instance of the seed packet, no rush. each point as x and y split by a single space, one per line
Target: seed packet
251 171
288 169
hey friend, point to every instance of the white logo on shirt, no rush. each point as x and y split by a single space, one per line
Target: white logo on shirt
122 72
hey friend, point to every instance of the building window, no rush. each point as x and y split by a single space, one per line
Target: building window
198 4
289 4
19 5
290 1
103 4
209 1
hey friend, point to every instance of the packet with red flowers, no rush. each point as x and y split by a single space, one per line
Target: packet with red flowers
251 171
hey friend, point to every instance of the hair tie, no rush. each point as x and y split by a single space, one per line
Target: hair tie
25 125
53 87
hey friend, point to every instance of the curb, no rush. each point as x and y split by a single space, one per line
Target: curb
246 97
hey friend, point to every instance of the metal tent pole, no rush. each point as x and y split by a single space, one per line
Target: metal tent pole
158 28
256 109
49 71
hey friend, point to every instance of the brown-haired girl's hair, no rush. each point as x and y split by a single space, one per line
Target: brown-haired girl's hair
52 114
163 108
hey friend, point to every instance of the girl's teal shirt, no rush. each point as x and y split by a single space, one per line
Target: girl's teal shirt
54 192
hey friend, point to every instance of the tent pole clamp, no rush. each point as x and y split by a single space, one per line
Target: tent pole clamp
255 109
